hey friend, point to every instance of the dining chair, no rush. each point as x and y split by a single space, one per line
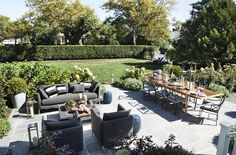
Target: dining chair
212 106
160 94
148 88
175 98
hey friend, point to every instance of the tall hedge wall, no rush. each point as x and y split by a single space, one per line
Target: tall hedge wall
59 52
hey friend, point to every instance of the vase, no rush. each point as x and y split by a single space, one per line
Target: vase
18 100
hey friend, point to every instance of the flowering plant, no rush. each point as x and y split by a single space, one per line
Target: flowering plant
81 74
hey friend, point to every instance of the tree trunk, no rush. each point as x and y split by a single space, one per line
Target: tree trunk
134 37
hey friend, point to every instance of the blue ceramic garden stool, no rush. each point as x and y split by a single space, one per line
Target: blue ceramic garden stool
107 97
136 123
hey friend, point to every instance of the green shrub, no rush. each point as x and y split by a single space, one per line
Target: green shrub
59 52
218 88
230 74
4 127
81 74
16 85
129 84
172 69
232 139
2 108
146 146
36 74
133 72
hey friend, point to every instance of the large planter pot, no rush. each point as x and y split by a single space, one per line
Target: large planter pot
18 100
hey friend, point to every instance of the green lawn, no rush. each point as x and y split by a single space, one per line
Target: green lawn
104 68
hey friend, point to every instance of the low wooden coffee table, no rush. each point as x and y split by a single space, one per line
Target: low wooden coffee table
66 113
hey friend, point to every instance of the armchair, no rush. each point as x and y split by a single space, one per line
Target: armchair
212 106
114 127
65 132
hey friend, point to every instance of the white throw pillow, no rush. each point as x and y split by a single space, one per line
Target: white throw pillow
50 89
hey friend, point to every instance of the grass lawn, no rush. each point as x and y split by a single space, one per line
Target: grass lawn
104 68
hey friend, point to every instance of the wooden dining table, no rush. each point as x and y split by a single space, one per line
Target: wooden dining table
183 90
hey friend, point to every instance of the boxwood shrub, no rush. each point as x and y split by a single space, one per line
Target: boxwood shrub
4 127
59 52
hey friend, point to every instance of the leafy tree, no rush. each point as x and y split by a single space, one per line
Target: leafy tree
4 21
77 21
143 17
210 34
52 17
103 35
18 29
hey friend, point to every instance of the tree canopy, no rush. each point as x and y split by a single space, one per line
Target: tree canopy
52 17
4 21
210 34
145 18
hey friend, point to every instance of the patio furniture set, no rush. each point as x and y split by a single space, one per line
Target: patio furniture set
178 95
66 127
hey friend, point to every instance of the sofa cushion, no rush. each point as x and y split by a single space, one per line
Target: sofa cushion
51 90
57 125
115 115
78 88
93 86
42 92
86 85
62 89
60 99
53 95
71 85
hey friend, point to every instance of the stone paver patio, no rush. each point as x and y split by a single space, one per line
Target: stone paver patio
158 122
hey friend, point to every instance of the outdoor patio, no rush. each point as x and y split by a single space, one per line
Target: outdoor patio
190 132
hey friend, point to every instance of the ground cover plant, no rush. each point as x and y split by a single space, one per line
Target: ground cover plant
146 146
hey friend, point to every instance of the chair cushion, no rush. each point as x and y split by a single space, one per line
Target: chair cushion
93 86
78 88
57 125
120 108
115 115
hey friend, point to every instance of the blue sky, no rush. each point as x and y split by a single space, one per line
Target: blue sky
16 8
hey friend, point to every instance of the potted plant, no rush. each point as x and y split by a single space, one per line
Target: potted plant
16 88
71 103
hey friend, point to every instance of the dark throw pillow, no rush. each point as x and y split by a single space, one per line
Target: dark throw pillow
115 115
93 86
71 85
43 93
57 125
79 88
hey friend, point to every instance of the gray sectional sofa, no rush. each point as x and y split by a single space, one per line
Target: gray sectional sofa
49 96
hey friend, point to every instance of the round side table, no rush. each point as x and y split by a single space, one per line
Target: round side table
136 123
107 97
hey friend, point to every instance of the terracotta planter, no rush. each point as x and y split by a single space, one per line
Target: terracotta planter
18 100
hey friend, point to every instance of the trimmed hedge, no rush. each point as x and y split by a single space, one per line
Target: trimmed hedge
67 52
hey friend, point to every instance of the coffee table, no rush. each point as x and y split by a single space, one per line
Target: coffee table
65 113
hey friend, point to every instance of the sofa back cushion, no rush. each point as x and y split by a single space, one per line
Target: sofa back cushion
57 125
115 115
78 88
42 92
93 86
